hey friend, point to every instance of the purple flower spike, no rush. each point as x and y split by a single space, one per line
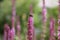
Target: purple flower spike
59 22
12 34
6 31
18 28
44 20
52 23
13 12
13 19
44 12
30 25
58 29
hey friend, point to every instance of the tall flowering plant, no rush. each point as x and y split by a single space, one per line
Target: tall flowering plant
44 19
18 28
13 18
59 22
30 25
6 32
52 24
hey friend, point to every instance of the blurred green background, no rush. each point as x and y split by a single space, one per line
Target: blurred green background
22 10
